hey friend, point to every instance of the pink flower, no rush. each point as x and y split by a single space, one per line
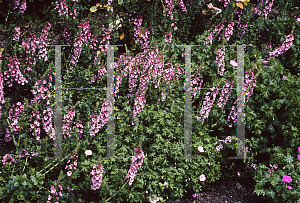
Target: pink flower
298 157
195 195
289 187
284 77
238 173
233 63
299 149
286 179
298 19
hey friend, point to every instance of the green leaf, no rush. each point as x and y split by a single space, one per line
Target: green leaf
108 20
229 8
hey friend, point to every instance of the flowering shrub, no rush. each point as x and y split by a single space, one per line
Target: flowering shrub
280 183
149 109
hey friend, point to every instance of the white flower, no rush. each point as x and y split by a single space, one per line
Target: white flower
88 152
69 173
202 178
239 0
200 149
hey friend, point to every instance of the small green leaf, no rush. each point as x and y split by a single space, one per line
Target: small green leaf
108 20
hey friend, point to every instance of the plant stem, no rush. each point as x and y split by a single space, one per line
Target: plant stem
115 193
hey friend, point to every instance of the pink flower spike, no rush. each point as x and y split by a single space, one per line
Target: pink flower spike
289 187
298 157
286 179
233 63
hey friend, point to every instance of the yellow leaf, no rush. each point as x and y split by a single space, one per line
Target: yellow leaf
93 9
122 36
141 31
204 12
239 4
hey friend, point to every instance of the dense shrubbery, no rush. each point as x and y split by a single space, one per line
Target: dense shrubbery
272 111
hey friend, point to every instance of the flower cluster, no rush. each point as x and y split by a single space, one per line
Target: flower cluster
248 84
197 83
220 60
101 71
43 39
268 8
23 7
109 6
169 8
68 120
140 34
284 47
154 199
271 170
155 70
29 45
220 146
2 100
15 72
71 166
210 6
226 2
97 177
63 8
36 125
228 31
182 6
168 37
47 122
17 34
210 38
67 35
14 125
84 36
24 153
17 3
54 194
221 101
135 165
207 104
4 159
106 106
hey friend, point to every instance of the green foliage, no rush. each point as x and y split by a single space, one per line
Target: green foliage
272 112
